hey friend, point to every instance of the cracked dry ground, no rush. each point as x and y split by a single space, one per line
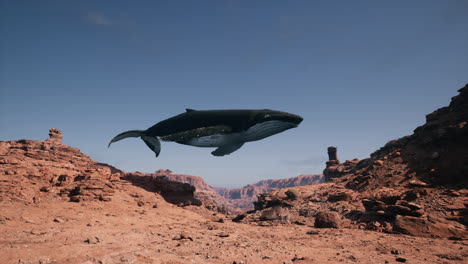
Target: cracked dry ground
121 231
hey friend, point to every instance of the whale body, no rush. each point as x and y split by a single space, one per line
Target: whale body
225 130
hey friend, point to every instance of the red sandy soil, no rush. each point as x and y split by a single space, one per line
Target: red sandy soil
120 231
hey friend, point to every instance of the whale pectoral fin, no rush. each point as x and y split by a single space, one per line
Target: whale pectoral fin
153 143
226 150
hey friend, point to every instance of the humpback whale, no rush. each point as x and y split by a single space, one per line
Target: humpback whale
225 130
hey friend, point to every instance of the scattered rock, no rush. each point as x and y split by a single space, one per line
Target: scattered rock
182 236
327 220
340 196
296 258
400 259
451 256
417 183
239 217
93 240
223 234
44 189
292 194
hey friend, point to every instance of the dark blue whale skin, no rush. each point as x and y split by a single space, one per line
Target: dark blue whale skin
195 124
238 120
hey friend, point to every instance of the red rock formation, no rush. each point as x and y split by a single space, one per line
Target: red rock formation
415 185
202 192
33 171
234 199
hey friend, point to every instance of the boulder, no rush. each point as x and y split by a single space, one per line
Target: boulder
428 227
327 220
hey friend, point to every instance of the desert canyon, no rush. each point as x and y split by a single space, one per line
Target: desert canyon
406 203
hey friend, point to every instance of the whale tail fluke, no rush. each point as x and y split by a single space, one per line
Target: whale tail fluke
152 142
126 134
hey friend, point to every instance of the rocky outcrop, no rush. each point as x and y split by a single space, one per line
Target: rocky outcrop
233 200
202 192
415 185
34 171
55 136
196 181
181 194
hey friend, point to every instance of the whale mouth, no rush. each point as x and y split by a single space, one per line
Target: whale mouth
266 129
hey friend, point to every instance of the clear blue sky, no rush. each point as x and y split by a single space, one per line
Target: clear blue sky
361 73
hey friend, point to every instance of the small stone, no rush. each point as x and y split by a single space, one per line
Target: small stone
417 183
296 258
93 240
140 203
182 236
105 198
221 220
396 252
75 199
58 220
44 189
223 234
312 232
400 259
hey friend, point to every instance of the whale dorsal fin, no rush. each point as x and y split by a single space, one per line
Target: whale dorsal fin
189 110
